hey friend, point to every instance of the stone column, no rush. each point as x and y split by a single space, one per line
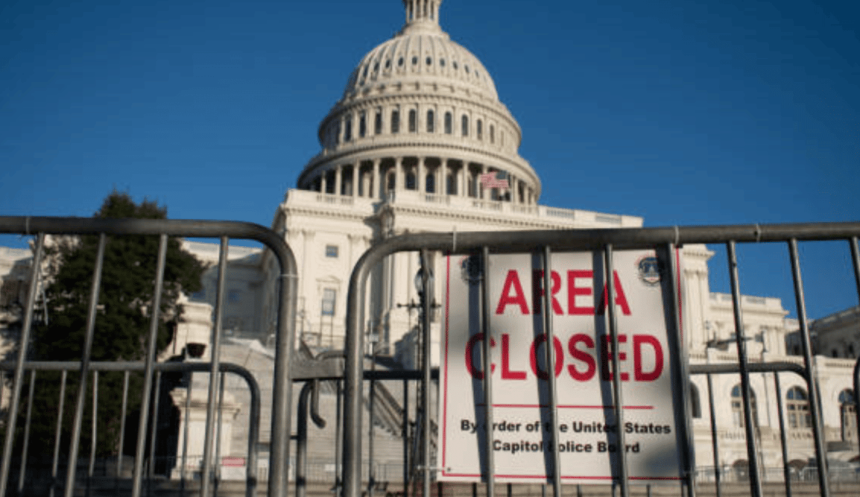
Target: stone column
323 181
375 188
462 183
483 190
399 174
338 181
355 167
421 184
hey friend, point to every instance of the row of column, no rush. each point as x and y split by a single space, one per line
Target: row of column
466 180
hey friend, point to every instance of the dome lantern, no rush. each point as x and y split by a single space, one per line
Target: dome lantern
424 13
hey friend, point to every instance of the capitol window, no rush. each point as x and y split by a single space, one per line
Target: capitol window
413 120
328 301
347 131
362 125
429 61
797 406
738 407
431 118
395 121
414 60
442 62
331 251
492 134
464 125
480 129
848 411
377 123
449 123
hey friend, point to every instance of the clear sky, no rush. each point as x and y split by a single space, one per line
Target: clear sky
682 112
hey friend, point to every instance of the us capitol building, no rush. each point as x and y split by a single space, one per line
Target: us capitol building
420 142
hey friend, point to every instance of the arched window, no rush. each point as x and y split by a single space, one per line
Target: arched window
451 184
392 180
347 130
430 183
848 412
797 406
695 403
362 125
464 125
479 130
410 181
449 125
431 121
413 121
395 121
738 407
377 123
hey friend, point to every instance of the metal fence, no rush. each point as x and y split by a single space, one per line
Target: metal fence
87 370
604 243
359 389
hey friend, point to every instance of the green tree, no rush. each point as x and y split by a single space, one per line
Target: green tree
122 324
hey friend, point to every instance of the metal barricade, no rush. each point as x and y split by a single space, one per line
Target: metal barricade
285 326
604 243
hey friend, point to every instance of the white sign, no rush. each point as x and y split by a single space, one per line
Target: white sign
522 433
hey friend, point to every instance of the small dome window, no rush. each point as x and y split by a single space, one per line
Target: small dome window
467 69
442 62
429 61
388 63
455 65
376 67
400 61
364 74
414 60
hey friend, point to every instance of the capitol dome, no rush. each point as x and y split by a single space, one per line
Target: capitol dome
420 112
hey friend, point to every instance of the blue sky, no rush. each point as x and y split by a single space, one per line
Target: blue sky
682 112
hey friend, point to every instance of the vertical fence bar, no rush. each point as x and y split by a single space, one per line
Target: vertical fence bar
27 421
405 435
487 368
786 469
338 448
148 368
740 340
616 371
18 379
715 440
58 433
85 368
218 460
186 421
427 308
214 368
810 371
94 427
153 437
119 456
682 376
549 347
371 401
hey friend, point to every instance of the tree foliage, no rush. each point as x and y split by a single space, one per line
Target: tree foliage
123 318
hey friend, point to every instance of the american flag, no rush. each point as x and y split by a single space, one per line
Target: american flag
490 180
